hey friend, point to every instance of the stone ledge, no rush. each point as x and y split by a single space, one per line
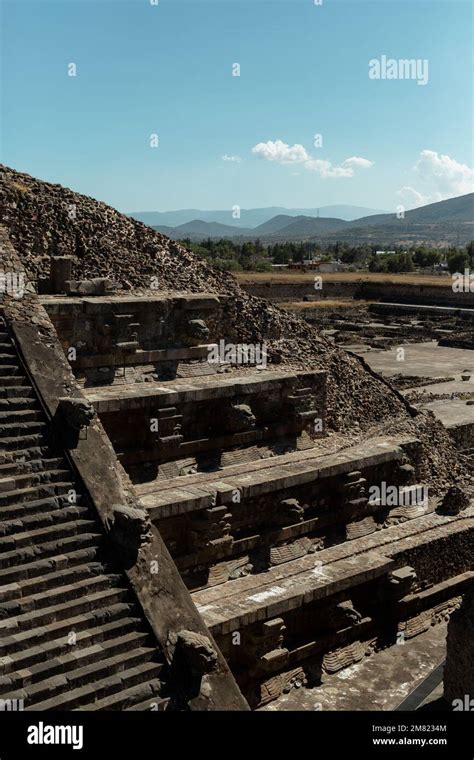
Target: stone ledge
187 391
270 475
246 595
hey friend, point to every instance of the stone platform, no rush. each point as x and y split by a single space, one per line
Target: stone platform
297 571
380 682
301 623
208 423
119 339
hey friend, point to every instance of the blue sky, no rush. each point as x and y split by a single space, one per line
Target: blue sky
166 69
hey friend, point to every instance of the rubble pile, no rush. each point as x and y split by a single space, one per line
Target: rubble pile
50 220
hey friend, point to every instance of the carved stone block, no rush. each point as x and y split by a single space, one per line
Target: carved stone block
343 657
198 652
75 413
210 528
129 528
291 551
454 501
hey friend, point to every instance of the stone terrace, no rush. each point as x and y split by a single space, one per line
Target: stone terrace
294 569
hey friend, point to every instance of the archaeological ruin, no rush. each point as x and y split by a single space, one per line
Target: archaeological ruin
209 501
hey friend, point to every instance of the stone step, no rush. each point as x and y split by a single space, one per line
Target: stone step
20 467
17 429
63 611
17 404
43 567
13 543
54 648
71 661
132 699
21 495
29 586
20 456
9 370
86 674
152 703
17 390
12 381
19 443
92 692
22 481
49 634
59 594
10 364
43 520
13 563
38 506
20 415
55 575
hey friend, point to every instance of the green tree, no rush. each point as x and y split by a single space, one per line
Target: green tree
458 261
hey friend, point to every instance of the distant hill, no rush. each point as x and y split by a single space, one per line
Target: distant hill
449 222
277 223
292 228
460 209
199 230
446 222
248 217
305 227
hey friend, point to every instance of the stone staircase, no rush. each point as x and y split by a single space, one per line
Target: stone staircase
72 636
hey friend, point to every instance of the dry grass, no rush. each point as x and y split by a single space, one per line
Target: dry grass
297 277
20 186
324 303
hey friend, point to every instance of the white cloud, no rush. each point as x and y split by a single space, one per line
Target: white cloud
283 153
440 176
233 159
356 162
411 197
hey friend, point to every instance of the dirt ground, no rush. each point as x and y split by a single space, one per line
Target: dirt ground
286 276
326 303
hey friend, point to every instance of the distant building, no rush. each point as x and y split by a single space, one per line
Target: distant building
315 265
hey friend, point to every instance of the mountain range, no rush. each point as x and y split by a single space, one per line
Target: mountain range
250 217
445 222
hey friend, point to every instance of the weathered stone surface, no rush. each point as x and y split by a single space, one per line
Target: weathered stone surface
198 652
454 501
163 602
76 413
459 668
129 528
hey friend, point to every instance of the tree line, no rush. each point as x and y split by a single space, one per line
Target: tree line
257 257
